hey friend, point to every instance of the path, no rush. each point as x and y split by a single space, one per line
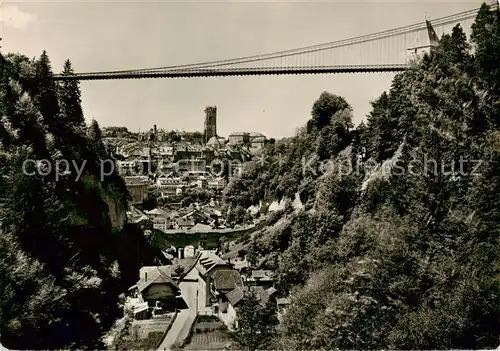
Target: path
185 318
179 330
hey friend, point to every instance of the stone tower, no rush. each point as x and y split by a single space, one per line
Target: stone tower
210 123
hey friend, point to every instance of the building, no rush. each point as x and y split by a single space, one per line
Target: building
138 189
210 129
207 263
189 251
157 289
160 219
183 223
214 143
126 167
257 140
238 138
216 183
172 186
262 278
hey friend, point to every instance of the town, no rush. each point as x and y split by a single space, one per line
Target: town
257 199
175 180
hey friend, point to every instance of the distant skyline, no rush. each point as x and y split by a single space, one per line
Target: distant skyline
104 36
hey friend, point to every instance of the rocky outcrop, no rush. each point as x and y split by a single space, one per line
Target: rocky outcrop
117 214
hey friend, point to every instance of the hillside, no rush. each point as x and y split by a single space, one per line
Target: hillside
65 251
397 244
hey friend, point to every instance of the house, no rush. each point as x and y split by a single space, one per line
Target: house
157 288
160 219
257 140
260 277
199 216
216 183
126 167
138 307
237 138
207 263
183 223
224 281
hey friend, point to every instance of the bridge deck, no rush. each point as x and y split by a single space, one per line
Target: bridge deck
218 72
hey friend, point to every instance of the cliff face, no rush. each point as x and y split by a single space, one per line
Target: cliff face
117 213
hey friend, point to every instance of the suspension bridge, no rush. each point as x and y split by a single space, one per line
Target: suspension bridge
386 51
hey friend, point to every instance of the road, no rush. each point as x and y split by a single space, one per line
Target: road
185 318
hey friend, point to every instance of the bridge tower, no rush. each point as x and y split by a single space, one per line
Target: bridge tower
417 52
433 38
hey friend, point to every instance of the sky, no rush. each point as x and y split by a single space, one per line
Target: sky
121 35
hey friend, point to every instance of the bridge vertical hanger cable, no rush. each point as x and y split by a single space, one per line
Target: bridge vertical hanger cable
224 66
306 49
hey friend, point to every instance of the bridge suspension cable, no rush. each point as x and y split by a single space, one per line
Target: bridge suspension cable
221 66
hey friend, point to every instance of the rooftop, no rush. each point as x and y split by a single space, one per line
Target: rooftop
207 261
157 212
155 275
227 279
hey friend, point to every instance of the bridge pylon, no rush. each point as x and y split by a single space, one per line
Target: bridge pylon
417 52
433 38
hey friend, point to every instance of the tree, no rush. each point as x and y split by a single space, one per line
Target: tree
381 125
95 137
485 37
325 107
46 95
256 325
57 232
70 98
402 255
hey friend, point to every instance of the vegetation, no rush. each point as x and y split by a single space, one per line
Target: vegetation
256 324
400 252
65 252
129 342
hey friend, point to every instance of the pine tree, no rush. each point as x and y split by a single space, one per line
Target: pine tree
46 97
485 37
28 121
70 99
453 49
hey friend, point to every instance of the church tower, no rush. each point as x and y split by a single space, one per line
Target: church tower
210 129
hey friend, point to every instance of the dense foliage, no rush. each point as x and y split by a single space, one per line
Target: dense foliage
256 326
401 251
65 253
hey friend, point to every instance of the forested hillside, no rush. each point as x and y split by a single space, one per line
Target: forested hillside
400 252
65 251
